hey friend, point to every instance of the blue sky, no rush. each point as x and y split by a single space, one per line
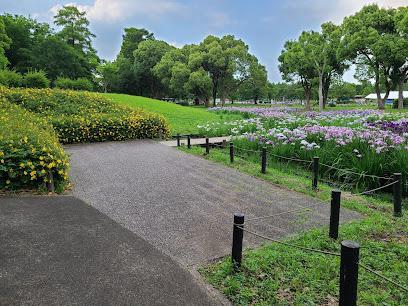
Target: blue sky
263 25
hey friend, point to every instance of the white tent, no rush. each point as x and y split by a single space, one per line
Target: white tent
392 96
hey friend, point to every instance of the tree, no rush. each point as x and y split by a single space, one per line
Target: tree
58 59
399 49
75 33
199 84
221 58
127 78
4 45
74 27
147 55
108 76
296 65
366 41
255 87
25 34
131 40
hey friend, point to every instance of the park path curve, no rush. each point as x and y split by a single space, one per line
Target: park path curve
183 204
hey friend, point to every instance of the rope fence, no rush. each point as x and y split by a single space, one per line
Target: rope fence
349 257
397 184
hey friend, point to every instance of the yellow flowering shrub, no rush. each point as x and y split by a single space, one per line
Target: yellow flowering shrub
86 116
29 149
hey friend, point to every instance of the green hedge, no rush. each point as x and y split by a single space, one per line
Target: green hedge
87 117
29 149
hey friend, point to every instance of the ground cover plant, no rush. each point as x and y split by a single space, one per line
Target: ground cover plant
29 150
278 275
182 119
87 117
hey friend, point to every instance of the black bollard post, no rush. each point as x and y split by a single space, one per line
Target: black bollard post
50 182
207 145
263 161
189 141
237 238
334 214
178 140
231 152
315 172
350 251
397 195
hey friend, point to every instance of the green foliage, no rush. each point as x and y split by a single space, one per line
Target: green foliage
4 45
147 55
29 149
78 84
87 117
182 119
36 79
10 78
131 40
108 76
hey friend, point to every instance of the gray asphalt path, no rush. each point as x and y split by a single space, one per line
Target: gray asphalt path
61 251
183 204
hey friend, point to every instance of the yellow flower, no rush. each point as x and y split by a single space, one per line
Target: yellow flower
22 165
2 161
8 182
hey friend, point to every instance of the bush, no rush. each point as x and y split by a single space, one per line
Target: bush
29 149
36 79
63 83
78 84
10 78
87 117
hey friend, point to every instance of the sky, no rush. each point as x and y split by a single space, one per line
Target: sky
263 25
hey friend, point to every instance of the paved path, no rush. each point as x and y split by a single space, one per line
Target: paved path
195 141
183 204
61 251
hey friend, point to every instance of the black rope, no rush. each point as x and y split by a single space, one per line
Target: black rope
286 243
383 277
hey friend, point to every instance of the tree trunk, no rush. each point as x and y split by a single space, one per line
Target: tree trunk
400 93
380 101
321 92
214 92
307 97
207 102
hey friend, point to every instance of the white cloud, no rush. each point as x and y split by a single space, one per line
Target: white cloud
345 8
113 10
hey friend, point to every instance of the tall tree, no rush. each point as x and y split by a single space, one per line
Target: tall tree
147 55
366 41
108 76
222 58
75 27
296 65
399 56
25 34
131 40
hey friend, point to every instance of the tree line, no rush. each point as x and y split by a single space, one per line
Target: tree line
374 39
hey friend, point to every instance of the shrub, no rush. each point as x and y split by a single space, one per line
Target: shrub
63 83
36 79
10 78
86 116
82 84
78 84
29 149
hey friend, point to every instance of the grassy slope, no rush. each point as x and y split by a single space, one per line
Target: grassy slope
278 275
182 119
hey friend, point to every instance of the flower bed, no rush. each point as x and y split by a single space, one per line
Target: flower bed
29 149
87 117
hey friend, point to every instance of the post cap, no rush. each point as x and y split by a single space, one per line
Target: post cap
350 244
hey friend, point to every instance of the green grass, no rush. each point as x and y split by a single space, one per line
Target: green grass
277 275
182 119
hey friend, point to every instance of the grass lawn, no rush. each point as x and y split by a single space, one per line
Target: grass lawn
183 119
279 275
